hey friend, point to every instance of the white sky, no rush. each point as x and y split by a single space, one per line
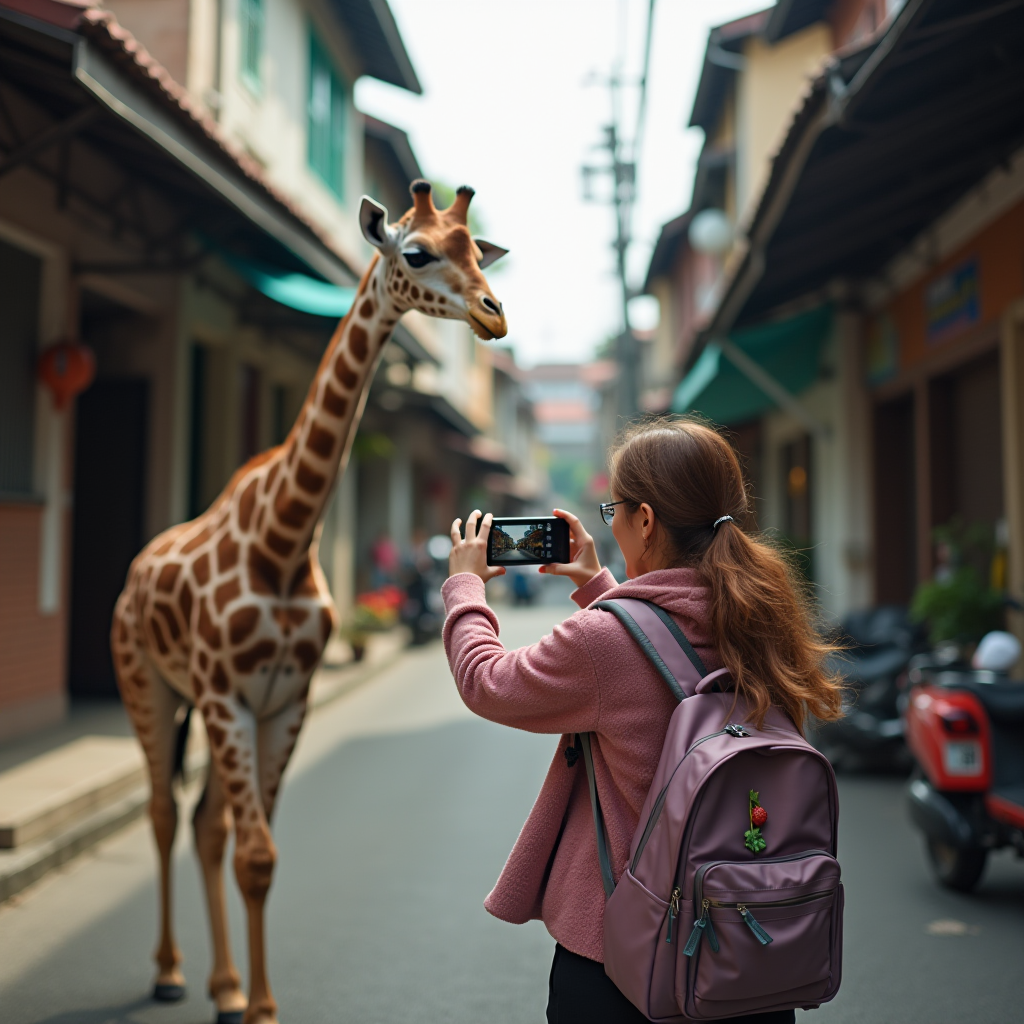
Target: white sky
506 109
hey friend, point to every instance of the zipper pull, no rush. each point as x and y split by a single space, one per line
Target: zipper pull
673 911
694 941
762 936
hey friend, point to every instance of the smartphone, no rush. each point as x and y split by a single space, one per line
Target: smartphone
530 540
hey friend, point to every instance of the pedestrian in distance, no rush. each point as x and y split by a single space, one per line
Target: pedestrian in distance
678 513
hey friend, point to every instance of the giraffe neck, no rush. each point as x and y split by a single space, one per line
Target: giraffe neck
299 483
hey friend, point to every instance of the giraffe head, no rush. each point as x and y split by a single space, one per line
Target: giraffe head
433 264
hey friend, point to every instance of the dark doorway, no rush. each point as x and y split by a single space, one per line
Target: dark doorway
110 461
895 505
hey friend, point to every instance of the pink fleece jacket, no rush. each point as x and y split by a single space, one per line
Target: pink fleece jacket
588 675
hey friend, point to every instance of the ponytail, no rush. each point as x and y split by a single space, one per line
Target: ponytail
761 617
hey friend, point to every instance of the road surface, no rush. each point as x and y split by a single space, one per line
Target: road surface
395 820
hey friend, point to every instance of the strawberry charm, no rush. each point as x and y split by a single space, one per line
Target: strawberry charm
752 839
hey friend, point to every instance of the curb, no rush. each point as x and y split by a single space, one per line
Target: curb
25 865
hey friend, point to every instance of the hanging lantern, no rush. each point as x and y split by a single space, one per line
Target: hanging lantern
67 369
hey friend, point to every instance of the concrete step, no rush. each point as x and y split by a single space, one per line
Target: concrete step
49 792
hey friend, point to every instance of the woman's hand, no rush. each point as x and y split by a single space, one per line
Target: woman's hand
470 555
583 564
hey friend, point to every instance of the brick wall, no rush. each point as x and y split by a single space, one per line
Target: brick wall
33 654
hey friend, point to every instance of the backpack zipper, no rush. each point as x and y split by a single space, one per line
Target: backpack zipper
698 881
729 730
704 925
673 911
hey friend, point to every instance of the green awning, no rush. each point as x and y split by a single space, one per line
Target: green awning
297 291
789 351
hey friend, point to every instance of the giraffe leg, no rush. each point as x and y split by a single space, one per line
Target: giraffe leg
152 707
211 824
275 741
233 750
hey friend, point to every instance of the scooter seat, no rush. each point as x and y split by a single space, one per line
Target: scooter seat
1004 702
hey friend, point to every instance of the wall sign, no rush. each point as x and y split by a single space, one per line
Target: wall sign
952 302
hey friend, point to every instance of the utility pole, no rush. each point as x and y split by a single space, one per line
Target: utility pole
621 169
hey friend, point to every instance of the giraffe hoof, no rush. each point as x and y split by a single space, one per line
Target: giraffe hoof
230 1016
168 993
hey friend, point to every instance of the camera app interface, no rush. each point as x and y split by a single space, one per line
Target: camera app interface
521 542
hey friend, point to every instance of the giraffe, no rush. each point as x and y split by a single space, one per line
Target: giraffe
230 613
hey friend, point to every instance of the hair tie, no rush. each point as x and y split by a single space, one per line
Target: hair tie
722 519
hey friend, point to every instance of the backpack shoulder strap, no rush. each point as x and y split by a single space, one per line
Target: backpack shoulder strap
665 644
661 639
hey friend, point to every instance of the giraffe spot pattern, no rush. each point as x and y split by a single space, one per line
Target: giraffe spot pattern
230 760
226 593
236 787
197 541
358 343
204 660
207 630
216 733
227 553
219 679
241 623
320 441
309 479
201 569
428 295
307 653
441 299
168 577
197 686
335 404
162 550
302 582
367 309
158 636
291 512
279 545
271 477
219 710
185 603
264 574
246 503
344 372
246 661
167 613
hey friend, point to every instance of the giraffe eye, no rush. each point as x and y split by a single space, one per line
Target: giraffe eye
419 258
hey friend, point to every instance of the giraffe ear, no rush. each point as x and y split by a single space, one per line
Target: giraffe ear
373 219
491 252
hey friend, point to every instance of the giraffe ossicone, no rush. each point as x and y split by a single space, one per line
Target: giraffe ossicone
230 613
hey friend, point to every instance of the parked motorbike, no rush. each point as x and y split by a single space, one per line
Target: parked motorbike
964 725
880 643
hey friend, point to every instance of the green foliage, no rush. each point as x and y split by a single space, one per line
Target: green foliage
753 840
959 604
373 445
960 607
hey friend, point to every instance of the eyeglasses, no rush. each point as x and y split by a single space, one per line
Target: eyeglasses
608 510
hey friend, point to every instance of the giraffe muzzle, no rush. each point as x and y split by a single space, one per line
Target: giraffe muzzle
487 319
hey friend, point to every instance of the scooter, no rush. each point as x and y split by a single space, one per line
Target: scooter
879 644
964 726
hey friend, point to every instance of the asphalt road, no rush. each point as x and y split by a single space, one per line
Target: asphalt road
396 818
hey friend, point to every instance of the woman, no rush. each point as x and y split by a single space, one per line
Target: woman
678 501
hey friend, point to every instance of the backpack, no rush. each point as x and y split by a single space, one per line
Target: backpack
731 902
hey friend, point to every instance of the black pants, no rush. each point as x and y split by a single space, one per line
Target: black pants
579 992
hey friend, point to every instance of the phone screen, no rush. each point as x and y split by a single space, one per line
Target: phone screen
533 540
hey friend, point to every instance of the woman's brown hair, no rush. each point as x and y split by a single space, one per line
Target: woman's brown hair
761 618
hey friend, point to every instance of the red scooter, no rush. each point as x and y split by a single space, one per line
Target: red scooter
965 729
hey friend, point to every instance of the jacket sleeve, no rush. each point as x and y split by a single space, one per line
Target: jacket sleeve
548 687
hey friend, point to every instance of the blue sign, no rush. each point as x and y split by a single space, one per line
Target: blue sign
952 302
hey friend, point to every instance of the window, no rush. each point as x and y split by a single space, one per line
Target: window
250 23
20 280
326 125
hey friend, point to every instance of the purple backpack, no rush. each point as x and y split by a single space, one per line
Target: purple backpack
731 902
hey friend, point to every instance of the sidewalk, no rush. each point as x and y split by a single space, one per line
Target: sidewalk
65 789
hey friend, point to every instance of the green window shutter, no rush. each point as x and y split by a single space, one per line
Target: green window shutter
326 119
251 30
